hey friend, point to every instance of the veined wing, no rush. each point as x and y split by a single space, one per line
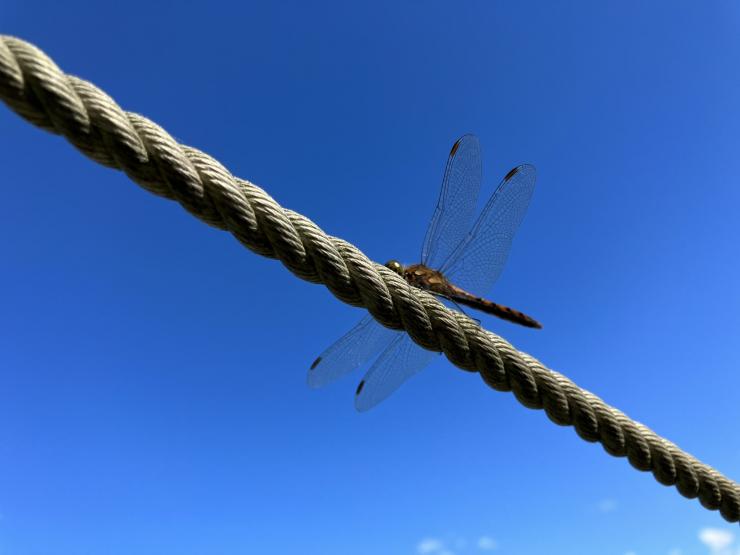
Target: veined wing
478 261
353 349
401 359
457 202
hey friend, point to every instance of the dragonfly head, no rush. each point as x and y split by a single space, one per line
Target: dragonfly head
396 266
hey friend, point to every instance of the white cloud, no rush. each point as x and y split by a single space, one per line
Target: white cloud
436 546
675 551
487 544
429 545
607 505
717 540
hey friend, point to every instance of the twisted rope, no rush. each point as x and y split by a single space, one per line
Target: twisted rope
35 88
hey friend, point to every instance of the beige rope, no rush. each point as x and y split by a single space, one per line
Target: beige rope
35 88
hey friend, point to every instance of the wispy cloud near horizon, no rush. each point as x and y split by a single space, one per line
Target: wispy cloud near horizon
437 546
486 543
429 545
607 505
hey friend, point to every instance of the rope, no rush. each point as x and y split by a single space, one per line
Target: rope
37 90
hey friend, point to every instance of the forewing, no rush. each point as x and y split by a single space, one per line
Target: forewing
458 199
356 347
479 260
400 360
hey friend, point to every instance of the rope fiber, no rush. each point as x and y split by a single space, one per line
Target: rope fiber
37 90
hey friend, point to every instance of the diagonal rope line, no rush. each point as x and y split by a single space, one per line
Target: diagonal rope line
36 89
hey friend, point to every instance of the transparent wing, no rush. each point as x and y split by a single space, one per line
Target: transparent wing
457 202
357 346
478 261
401 359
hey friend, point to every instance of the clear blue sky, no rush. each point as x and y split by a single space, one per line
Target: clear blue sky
152 371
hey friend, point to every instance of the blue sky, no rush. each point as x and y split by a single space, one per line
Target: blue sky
152 371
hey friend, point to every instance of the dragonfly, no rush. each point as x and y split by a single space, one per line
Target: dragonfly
460 261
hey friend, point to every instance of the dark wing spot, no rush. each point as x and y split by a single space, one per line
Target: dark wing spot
454 148
511 174
315 363
359 387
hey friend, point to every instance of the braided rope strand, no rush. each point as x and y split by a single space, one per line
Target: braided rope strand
37 90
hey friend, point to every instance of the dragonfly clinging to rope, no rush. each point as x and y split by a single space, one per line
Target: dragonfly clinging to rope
459 263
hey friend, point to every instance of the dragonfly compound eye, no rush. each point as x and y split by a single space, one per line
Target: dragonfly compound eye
395 265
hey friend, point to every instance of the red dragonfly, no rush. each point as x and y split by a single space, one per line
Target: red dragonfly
459 263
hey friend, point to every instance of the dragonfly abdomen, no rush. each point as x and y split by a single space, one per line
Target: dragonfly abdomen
499 310
434 281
